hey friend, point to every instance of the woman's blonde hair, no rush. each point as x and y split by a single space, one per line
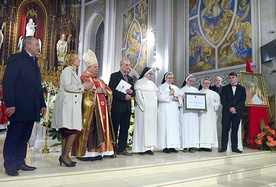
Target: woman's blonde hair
69 58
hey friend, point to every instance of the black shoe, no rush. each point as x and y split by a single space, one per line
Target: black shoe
149 152
11 172
25 167
166 150
236 151
173 150
201 149
84 158
96 158
66 164
205 149
185 150
222 150
141 153
191 150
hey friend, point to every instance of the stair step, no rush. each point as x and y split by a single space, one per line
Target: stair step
199 172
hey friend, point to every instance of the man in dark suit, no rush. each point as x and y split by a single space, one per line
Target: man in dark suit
232 98
121 106
24 99
217 87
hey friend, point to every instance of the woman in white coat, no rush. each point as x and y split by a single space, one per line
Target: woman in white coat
169 98
145 129
67 117
188 119
208 119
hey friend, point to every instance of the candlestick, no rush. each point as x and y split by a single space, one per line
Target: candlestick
48 106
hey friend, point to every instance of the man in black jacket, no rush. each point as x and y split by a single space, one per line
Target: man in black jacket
217 87
24 99
232 98
121 106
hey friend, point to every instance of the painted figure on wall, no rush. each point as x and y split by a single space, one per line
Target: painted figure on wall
127 19
133 45
238 46
142 59
141 11
196 53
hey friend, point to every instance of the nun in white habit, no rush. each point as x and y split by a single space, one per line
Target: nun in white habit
145 129
208 119
189 123
169 100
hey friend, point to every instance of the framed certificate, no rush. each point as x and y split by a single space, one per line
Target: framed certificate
195 101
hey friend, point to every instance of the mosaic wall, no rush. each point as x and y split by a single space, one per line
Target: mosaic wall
220 34
134 36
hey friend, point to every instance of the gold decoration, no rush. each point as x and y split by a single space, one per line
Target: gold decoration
45 148
32 13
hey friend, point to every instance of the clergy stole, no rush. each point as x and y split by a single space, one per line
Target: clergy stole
102 108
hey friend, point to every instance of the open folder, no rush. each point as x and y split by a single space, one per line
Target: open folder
123 86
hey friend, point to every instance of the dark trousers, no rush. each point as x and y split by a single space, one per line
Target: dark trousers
121 120
15 146
228 122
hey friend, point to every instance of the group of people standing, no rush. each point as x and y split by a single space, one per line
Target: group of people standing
94 117
162 121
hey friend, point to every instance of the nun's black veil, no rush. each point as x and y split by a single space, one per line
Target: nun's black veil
145 70
165 75
184 83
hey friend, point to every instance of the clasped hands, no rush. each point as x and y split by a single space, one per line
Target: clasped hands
233 110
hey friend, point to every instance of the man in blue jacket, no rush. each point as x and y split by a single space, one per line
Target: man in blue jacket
24 99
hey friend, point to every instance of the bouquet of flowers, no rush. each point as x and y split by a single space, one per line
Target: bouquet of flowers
266 138
131 127
48 87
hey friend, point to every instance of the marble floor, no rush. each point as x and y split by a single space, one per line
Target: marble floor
47 164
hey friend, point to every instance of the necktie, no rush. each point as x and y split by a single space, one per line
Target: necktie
125 77
234 85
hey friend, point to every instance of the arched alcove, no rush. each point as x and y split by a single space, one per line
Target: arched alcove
94 37
99 46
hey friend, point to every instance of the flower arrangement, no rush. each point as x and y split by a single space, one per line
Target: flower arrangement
131 127
48 87
266 138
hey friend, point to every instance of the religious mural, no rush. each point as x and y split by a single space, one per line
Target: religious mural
134 41
220 34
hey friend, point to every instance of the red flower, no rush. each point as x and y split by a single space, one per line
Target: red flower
271 144
269 138
260 135
259 142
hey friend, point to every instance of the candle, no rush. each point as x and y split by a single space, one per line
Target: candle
48 106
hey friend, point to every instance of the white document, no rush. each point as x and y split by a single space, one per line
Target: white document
123 86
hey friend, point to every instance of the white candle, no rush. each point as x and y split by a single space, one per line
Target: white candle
48 103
